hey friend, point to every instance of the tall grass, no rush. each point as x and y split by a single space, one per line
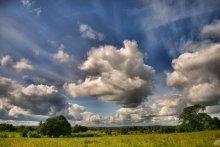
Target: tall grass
195 139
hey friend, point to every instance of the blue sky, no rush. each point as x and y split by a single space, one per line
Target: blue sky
71 57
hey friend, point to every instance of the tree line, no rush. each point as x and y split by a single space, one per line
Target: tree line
191 119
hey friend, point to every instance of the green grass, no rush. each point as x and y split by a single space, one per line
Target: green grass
195 139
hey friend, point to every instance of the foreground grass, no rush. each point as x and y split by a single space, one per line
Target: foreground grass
195 139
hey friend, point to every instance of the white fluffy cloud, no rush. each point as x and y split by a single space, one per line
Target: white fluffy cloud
211 30
197 75
76 111
5 60
168 105
139 114
39 90
88 32
165 110
151 113
8 62
64 57
92 118
117 75
17 111
23 64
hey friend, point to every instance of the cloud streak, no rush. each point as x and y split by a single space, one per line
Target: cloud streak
88 32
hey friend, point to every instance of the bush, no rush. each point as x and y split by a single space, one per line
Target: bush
167 129
89 134
108 131
33 134
3 135
124 131
78 128
24 133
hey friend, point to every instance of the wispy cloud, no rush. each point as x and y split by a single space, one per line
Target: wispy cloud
26 3
38 11
88 32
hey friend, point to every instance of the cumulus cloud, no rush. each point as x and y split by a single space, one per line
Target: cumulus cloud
62 56
38 102
88 32
76 111
5 60
34 99
165 110
139 114
39 90
165 120
17 111
92 118
38 11
158 111
23 64
169 105
117 75
197 75
211 30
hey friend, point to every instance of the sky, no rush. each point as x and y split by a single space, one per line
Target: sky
108 63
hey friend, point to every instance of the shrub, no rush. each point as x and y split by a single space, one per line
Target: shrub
78 128
89 134
124 131
33 134
24 133
3 135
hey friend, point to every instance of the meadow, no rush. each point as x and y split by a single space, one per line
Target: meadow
194 139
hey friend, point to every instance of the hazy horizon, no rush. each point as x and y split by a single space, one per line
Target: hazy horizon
108 63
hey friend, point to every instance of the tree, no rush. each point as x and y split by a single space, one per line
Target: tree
124 131
78 128
194 119
56 126
216 121
7 127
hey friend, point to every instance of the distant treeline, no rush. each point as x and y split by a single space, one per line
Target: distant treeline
105 130
191 119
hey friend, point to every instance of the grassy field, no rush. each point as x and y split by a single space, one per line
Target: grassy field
196 139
